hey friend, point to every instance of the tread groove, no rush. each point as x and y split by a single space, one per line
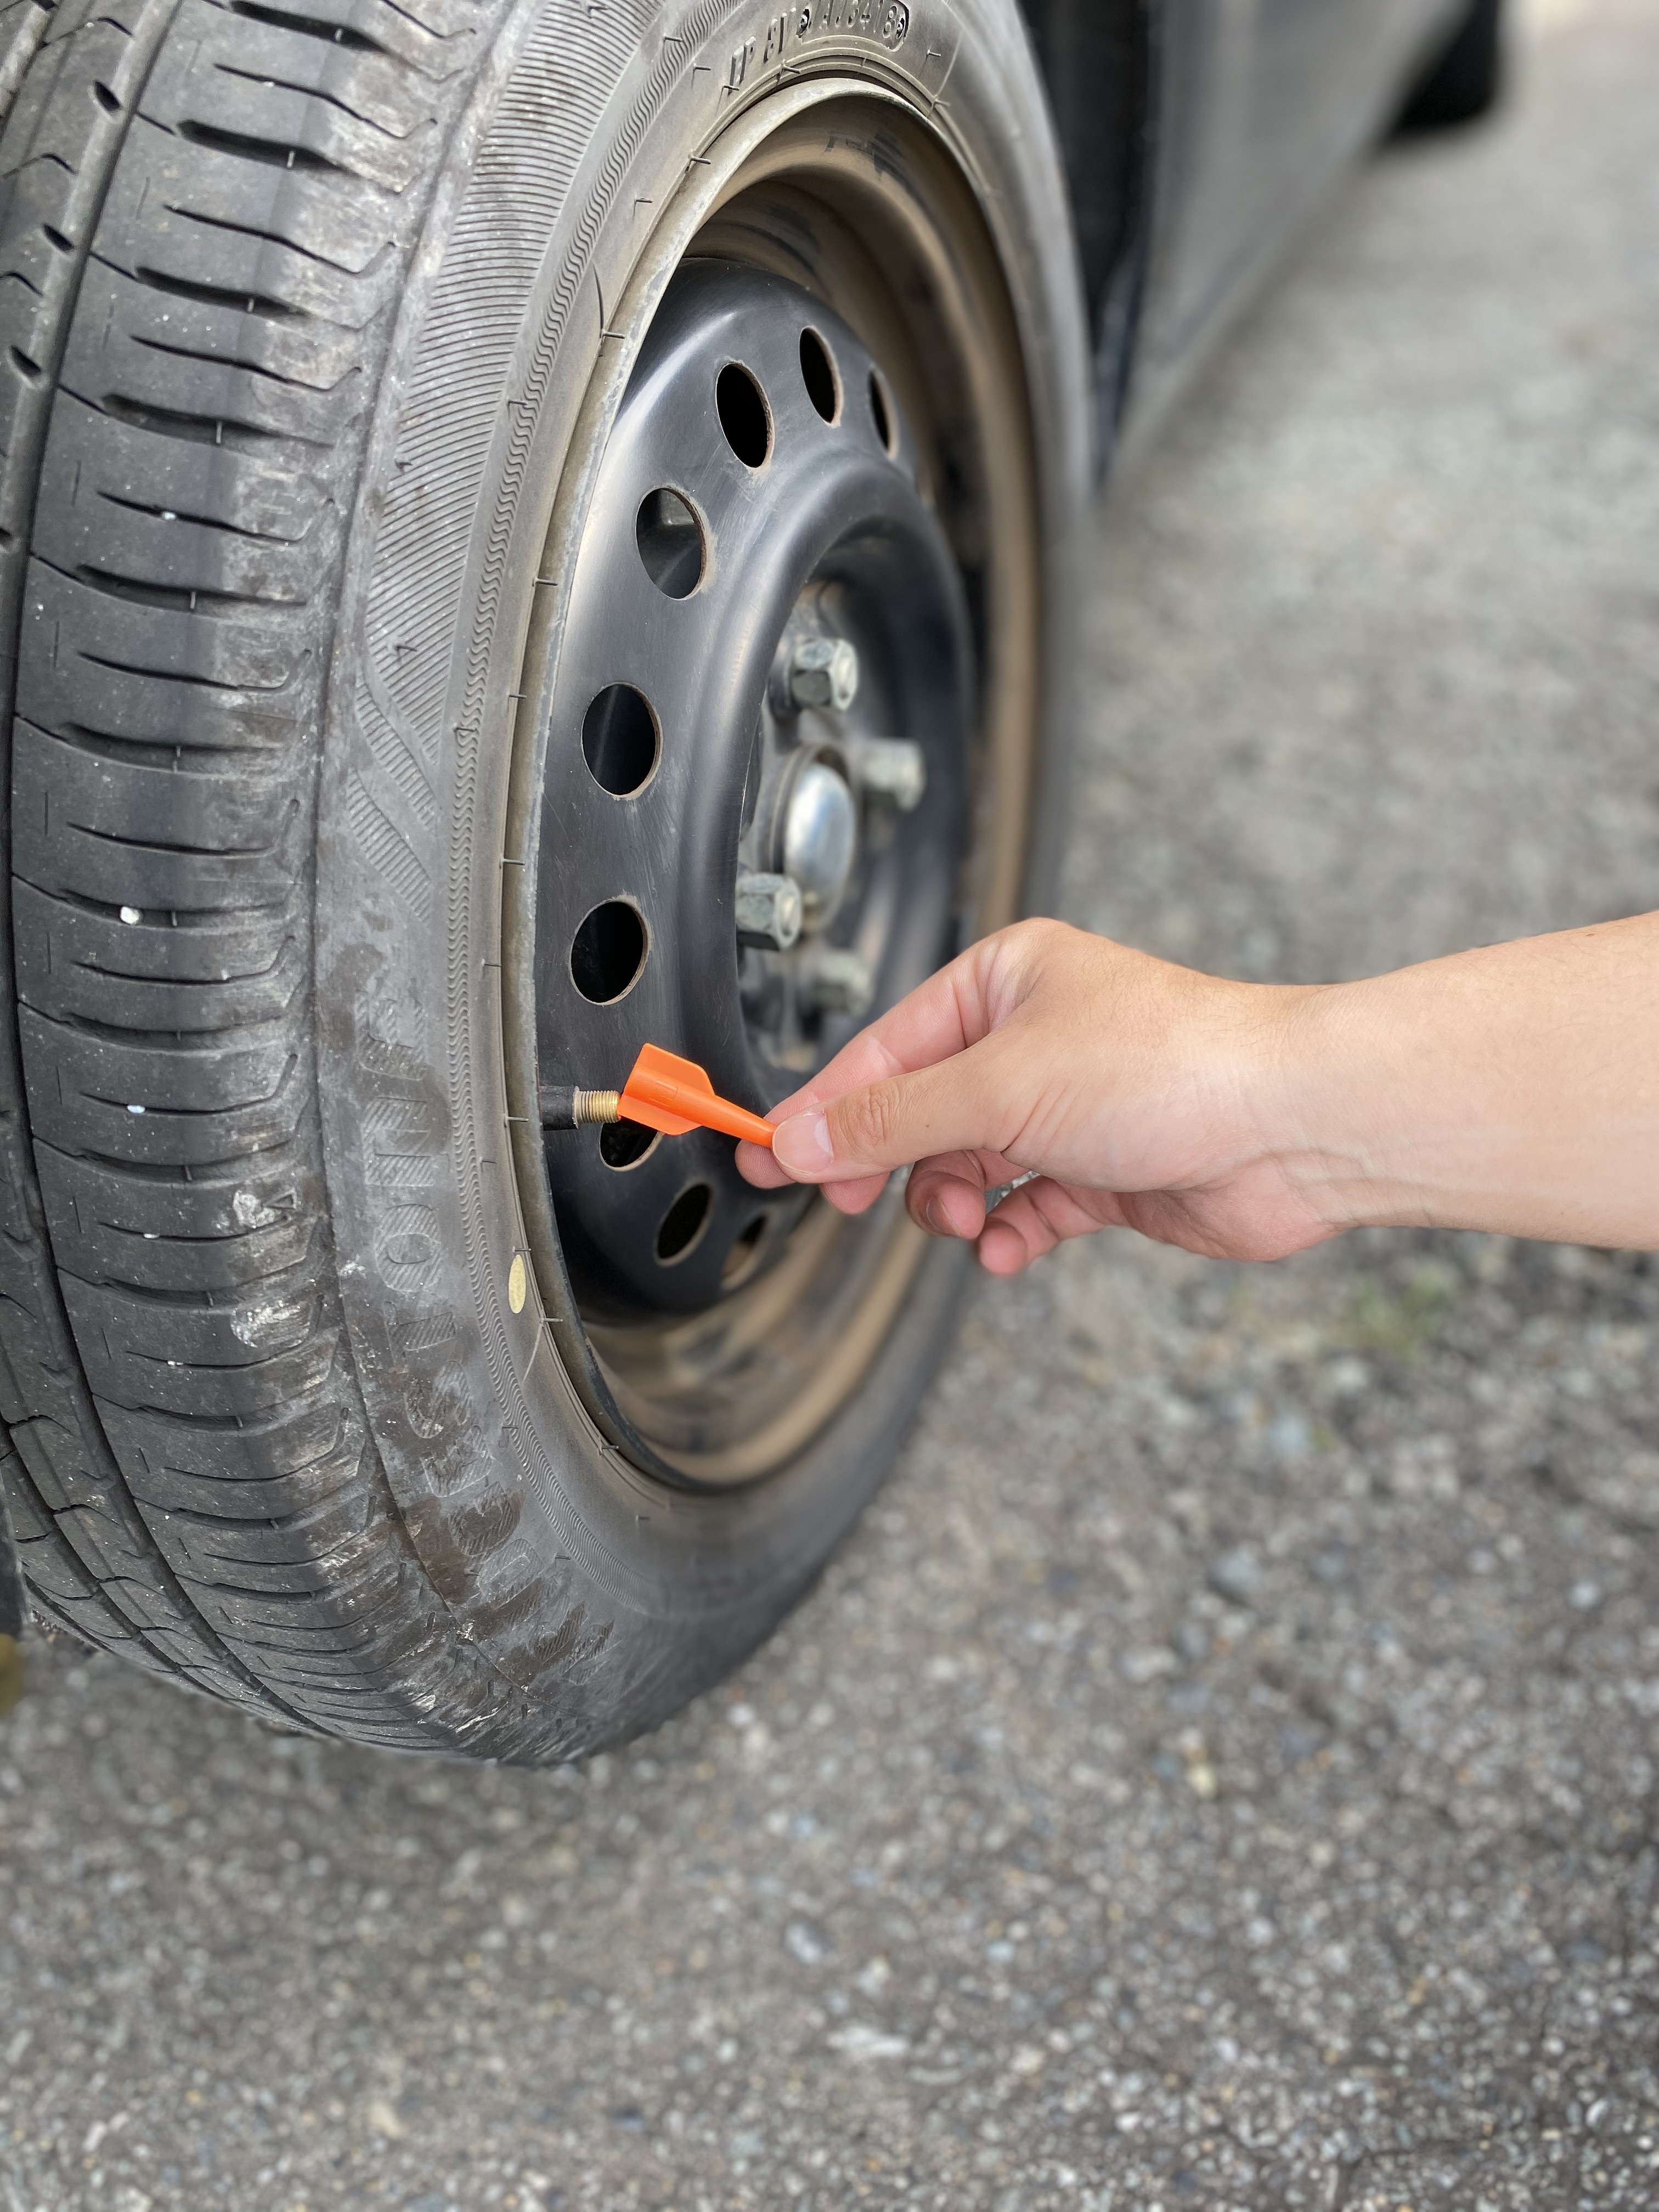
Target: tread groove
182 1041
307 26
179 918
312 91
202 429
197 599
221 296
206 221
271 153
182 760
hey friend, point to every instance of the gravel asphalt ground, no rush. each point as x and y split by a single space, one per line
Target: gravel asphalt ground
1221 1771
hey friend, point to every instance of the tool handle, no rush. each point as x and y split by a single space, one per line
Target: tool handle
662 1095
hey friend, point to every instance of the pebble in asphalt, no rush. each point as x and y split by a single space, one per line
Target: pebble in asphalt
1221 1771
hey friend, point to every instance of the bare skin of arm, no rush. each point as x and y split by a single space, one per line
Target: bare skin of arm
1515 1088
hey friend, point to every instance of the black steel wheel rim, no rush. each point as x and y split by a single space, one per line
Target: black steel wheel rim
769 469
734 523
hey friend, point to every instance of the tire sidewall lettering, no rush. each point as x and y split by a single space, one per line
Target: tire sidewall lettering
792 33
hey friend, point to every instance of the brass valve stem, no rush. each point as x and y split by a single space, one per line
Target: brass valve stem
567 1106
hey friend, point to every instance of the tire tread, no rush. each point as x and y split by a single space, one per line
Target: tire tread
182 403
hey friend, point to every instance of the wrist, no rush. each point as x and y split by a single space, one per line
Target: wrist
1338 1107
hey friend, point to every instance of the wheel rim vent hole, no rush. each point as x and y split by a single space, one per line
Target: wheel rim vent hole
684 1223
745 1245
619 739
670 539
608 951
817 369
743 414
881 411
625 1144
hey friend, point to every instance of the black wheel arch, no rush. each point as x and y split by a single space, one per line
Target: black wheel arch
1098 59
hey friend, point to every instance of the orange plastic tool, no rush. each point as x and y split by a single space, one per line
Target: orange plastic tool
673 1095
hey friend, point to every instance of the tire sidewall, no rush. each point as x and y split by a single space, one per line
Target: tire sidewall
611 1595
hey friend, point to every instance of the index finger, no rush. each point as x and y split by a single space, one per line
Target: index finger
940 1017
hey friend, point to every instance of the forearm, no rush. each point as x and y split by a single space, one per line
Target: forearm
1515 1088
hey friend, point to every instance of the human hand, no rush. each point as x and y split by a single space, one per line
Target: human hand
1135 1094
1512 1088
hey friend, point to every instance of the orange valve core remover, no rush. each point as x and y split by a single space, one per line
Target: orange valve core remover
663 1092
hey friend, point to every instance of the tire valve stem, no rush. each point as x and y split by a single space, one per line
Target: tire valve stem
567 1106
664 1092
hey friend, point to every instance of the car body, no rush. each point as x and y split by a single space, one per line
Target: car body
1198 135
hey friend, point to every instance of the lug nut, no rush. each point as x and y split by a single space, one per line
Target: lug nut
769 913
823 672
893 769
841 983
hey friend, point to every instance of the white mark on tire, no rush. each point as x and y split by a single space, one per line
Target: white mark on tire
261 1325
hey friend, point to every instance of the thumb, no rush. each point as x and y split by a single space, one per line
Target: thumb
953 1106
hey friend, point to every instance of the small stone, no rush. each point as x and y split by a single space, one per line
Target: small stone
1192 1642
1289 1435
805 1942
861 2044
1346 1377
1236 1576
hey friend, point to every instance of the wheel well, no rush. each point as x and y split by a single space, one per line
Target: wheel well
1096 60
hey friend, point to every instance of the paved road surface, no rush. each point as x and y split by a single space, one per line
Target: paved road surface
1222 1771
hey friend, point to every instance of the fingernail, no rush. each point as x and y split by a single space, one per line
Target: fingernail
802 1144
933 1214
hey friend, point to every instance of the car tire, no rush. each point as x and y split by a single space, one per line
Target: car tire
1465 79
319 320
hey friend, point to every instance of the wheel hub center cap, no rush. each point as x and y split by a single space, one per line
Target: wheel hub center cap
820 840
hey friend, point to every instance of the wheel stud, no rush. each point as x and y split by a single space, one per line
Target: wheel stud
841 982
770 912
823 672
893 769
